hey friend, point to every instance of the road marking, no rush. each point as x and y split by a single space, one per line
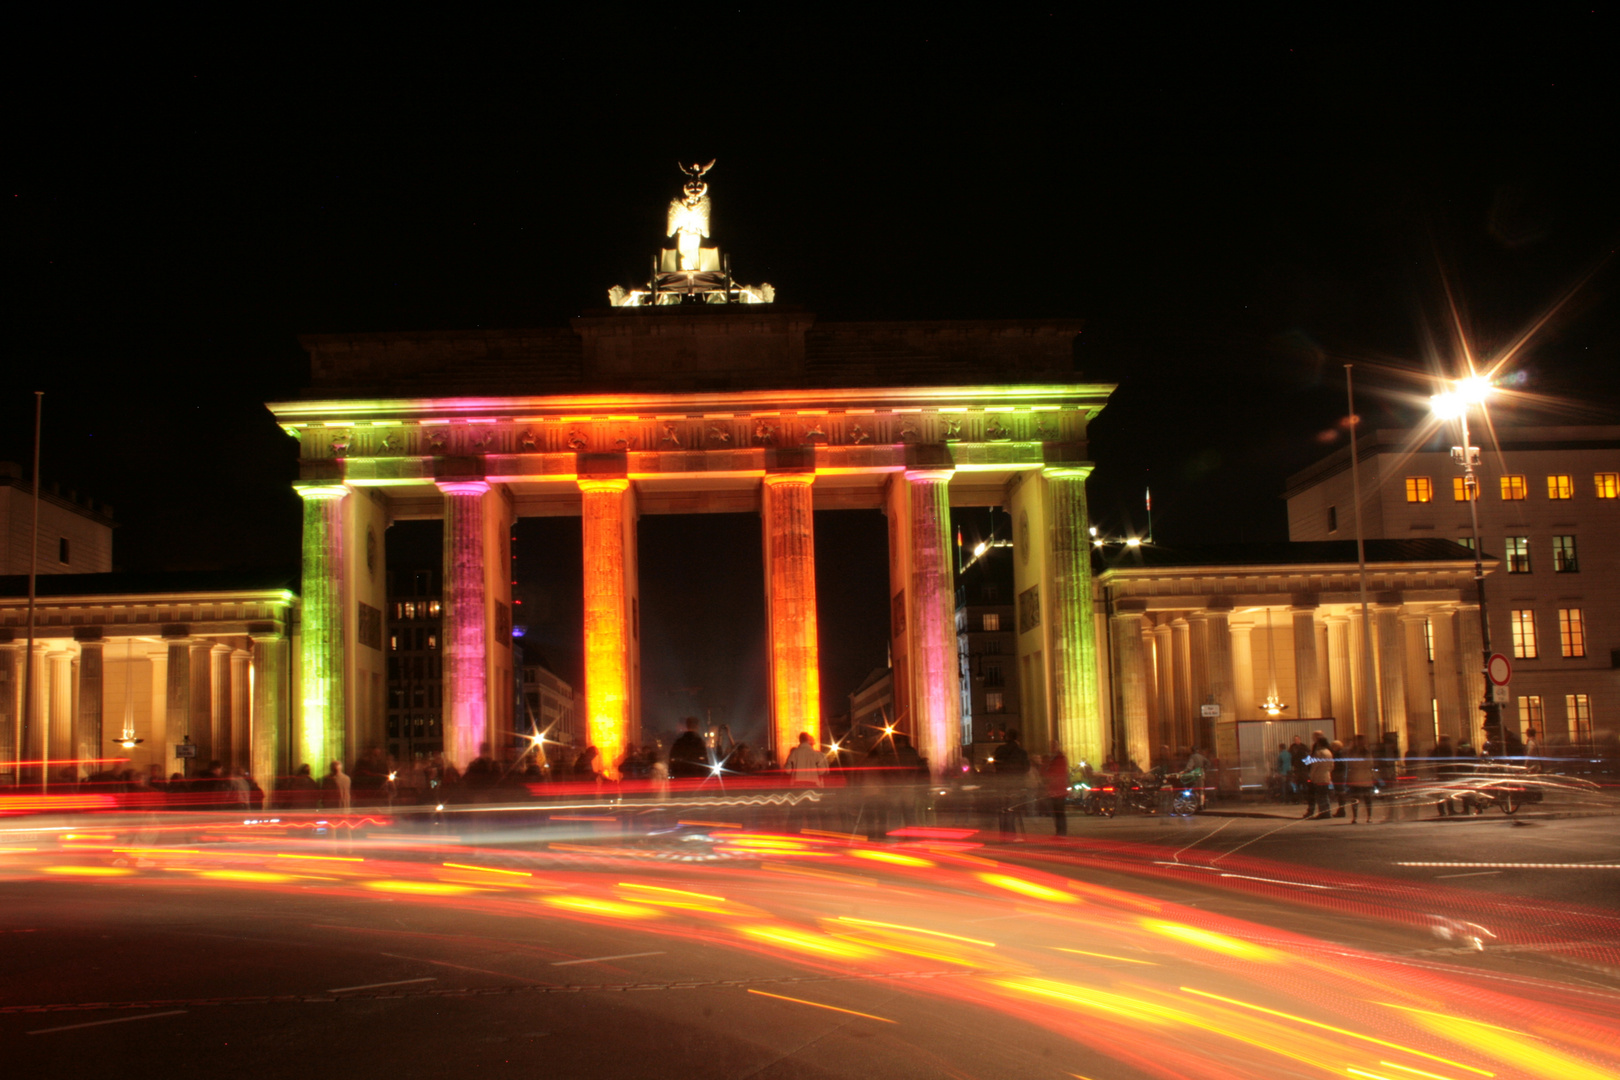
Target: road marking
1471 873
1519 865
601 959
819 1005
114 1020
374 986
459 967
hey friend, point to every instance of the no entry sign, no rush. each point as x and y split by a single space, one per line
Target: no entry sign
1498 670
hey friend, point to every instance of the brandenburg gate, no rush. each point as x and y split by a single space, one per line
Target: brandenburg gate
693 395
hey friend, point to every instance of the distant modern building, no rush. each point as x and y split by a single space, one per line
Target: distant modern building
871 707
75 535
1549 510
987 648
415 665
549 705
166 671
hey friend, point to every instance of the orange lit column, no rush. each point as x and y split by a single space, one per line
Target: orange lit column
603 512
790 583
936 699
466 646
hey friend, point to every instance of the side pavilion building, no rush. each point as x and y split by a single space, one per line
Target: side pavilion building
690 407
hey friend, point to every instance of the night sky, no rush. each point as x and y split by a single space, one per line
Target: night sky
1236 205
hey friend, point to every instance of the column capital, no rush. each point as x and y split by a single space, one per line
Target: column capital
462 487
611 484
321 491
1076 470
774 478
936 476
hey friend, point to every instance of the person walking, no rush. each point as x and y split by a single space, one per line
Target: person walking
1012 778
1319 780
1055 776
1339 776
1358 778
338 783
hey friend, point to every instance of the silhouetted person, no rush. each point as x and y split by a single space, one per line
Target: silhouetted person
1055 774
689 757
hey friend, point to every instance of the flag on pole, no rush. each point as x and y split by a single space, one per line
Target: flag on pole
1149 497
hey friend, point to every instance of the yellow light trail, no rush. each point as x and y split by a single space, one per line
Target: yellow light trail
487 869
1337 1030
1208 939
1420 1072
322 858
611 908
816 944
1105 956
1028 888
893 857
914 930
819 1005
426 888
1508 1045
88 871
673 892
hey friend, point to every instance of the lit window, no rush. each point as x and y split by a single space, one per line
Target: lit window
1524 634
410 611
1459 489
1608 485
1571 633
1333 519
1428 638
1466 541
433 609
994 702
1564 555
1514 487
1518 554
1560 486
991 622
1532 714
1419 489
393 643
432 640
1578 707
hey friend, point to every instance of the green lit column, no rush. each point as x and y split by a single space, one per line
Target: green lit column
320 732
1076 708
268 717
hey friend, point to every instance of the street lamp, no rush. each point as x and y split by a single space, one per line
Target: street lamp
1453 404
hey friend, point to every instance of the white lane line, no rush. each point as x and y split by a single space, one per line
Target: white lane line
461 967
1472 873
114 1020
374 986
600 959
1520 865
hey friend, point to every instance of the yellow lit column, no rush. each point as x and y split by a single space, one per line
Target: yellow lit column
1181 645
1220 733
790 584
1072 627
10 703
1392 671
268 720
1419 683
88 741
1469 648
1341 694
1243 705
241 710
1448 677
466 645
603 511
1307 673
321 643
1164 656
1133 686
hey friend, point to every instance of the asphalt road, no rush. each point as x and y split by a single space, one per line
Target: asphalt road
1136 948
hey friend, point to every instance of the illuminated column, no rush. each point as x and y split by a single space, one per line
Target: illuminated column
790 583
1150 685
200 724
219 705
1133 686
607 638
88 740
321 662
1181 643
1419 683
61 743
466 645
1076 702
1164 654
1242 671
269 718
936 702
1307 673
1448 676
176 704
1365 708
10 702
1469 648
241 710
1341 693
1391 670
1218 646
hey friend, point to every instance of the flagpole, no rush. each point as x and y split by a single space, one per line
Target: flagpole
28 656
1369 690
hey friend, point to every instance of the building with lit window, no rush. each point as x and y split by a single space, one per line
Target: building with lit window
987 646
548 709
75 533
1549 509
415 665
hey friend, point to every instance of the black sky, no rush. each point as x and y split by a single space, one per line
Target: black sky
1237 205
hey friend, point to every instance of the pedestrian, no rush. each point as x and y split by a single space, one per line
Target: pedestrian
1012 778
1298 772
338 784
1056 775
1358 778
1338 775
1282 770
585 767
689 756
1319 780
805 764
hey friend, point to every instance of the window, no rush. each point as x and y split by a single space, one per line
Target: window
433 609
1428 638
433 640
1578 708
1532 714
1564 555
1524 633
993 675
393 643
994 701
1571 633
1333 519
1518 554
1466 541
990 622
1459 489
991 648
1608 485
1560 486
1419 489
1514 487
62 551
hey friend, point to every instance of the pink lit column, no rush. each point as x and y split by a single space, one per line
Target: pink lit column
790 582
466 645
607 636
937 678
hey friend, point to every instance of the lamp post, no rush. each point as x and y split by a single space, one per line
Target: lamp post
1453 404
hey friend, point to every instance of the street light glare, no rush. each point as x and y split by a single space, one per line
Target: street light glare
1473 390
1447 406
1133 541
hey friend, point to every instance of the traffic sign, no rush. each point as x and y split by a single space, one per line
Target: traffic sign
1209 711
1498 669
